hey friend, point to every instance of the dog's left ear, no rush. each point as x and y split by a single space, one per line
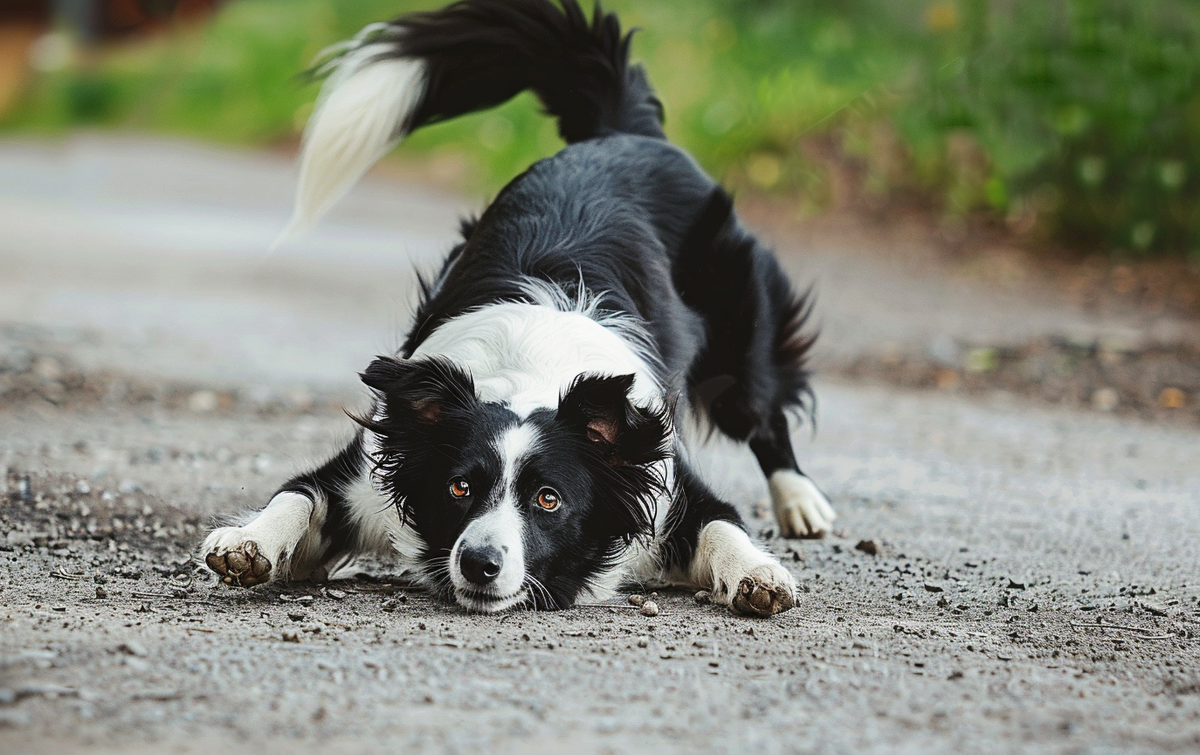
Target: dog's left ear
599 407
420 393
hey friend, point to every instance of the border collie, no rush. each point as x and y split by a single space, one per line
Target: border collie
522 447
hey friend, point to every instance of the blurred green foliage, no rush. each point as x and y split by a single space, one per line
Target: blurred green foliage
1074 118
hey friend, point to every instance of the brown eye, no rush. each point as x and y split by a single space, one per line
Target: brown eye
460 488
548 499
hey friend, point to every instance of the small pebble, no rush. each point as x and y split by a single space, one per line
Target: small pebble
1105 399
702 596
101 593
390 605
643 641
637 600
649 608
870 547
203 402
133 647
1172 398
290 636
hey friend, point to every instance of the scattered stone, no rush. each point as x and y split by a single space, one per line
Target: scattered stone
1106 399
134 648
290 635
1172 398
335 594
934 587
955 676
101 593
643 641
637 600
297 616
1154 607
983 359
702 596
157 695
649 608
391 604
1014 585
870 547
203 402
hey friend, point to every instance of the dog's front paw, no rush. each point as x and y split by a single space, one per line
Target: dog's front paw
800 507
235 558
767 590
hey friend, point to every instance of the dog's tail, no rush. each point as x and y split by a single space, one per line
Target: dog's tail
423 68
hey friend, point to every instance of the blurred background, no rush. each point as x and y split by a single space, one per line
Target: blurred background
1070 121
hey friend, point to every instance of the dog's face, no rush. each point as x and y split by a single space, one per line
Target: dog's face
515 510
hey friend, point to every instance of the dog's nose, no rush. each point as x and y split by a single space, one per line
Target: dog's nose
480 565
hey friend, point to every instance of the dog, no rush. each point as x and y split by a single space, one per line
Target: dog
524 446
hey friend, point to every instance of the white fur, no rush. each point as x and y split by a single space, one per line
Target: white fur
800 507
528 355
588 303
282 531
725 556
361 115
378 528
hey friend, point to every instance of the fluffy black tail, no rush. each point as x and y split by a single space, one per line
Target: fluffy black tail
423 68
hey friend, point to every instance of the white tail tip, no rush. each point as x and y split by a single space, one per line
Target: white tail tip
361 115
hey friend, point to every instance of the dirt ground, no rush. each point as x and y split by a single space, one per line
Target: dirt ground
1011 572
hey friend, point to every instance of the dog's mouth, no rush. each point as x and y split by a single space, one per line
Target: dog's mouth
482 602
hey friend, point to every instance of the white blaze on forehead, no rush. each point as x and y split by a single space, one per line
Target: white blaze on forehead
514 446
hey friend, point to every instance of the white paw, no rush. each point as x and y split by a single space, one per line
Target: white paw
800 507
235 557
740 575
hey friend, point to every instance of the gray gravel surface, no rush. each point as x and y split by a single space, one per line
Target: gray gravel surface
1005 576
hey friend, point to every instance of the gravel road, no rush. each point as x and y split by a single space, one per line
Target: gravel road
1006 576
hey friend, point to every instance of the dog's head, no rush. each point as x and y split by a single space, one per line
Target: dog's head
515 510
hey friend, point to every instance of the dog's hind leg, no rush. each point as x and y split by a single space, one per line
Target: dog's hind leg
801 509
753 369
314 522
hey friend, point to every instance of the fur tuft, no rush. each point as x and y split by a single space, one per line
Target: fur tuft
362 114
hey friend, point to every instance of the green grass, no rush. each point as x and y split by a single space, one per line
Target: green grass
1077 118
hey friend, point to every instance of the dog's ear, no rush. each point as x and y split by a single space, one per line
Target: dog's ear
598 406
420 391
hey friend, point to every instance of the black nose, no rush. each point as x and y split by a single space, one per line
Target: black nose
480 565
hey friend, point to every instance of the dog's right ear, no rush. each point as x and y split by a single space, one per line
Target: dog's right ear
421 391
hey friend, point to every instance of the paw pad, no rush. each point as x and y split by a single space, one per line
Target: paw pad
241 566
758 595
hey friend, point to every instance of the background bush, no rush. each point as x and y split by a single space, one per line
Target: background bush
1075 119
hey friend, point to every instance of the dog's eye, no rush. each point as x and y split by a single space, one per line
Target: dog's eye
548 499
460 488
